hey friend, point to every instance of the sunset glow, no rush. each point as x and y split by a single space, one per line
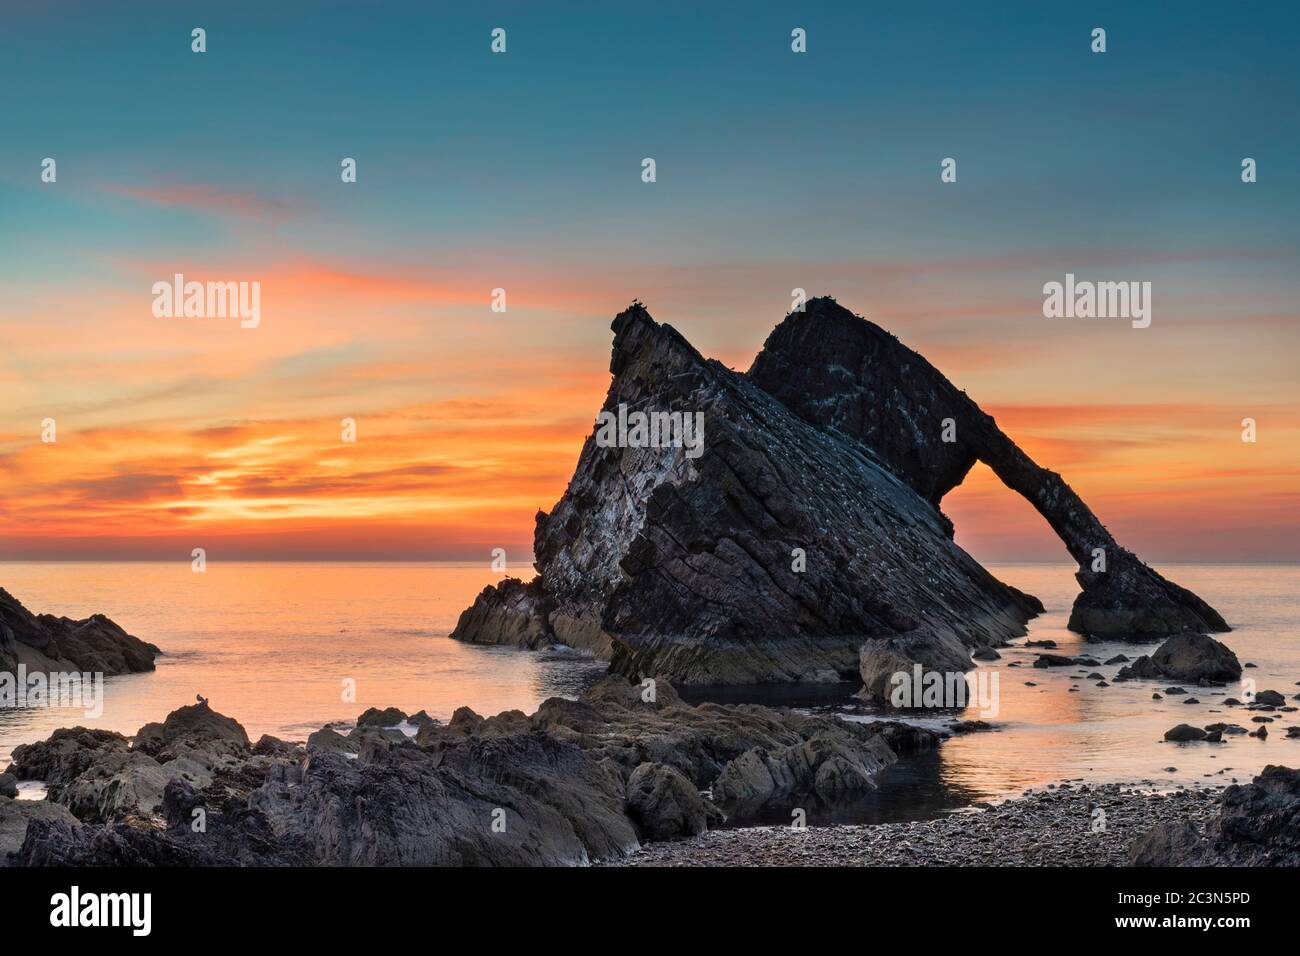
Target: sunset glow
174 433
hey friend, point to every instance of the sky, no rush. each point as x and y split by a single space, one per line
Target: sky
522 171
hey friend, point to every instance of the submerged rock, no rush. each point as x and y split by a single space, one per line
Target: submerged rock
1053 660
1186 657
1184 733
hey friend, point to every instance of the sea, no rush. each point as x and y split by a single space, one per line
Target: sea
286 648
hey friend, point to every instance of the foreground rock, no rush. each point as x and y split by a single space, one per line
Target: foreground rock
104 777
15 815
665 805
769 553
1257 824
44 643
1194 658
576 782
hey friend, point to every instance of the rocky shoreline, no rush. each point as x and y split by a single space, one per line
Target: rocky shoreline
627 774
576 782
1075 825
1065 825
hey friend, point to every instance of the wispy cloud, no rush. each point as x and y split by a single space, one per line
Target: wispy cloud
209 199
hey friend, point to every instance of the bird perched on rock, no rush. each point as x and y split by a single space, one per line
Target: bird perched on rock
203 701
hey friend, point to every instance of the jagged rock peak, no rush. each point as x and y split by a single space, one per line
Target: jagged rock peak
772 557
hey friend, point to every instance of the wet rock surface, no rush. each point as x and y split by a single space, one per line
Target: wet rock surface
576 782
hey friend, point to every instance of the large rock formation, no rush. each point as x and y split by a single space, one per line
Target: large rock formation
770 557
45 644
842 372
807 529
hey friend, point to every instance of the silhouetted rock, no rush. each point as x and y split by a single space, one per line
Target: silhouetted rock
969 726
843 372
773 555
45 643
806 525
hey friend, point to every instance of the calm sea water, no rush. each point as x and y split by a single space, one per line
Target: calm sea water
272 644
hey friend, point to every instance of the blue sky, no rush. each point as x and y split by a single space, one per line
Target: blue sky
775 170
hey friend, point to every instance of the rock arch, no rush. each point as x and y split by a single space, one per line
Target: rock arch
837 370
